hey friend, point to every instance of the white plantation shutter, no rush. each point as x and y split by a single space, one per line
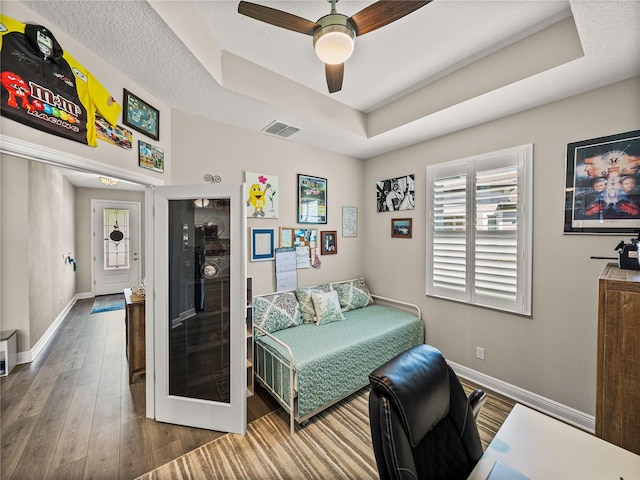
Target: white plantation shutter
450 241
479 230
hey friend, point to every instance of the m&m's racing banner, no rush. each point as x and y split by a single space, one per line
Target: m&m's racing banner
46 88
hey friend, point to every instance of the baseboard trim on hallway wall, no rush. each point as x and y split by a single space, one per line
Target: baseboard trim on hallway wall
550 407
30 355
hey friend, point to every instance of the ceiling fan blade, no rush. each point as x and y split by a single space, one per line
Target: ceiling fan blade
335 74
383 13
277 17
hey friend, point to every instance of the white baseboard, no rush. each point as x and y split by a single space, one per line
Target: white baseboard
550 407
30 355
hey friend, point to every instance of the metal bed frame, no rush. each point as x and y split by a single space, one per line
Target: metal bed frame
282 369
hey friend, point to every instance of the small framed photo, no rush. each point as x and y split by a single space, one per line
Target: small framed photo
603 185
150 156
312 199
141 116
328 242
401 228
262 244
349 221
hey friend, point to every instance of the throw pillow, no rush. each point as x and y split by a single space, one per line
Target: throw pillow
276 311
307 310
327 306
353 294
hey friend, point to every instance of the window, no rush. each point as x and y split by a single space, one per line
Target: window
115 227
479 220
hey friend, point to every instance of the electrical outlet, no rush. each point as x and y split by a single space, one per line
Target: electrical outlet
480 353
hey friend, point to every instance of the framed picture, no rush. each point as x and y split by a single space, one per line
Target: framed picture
396 194
401 228
262 195
328 242
312 199
349 221
117 135
262 244
602 193
141 116
150 156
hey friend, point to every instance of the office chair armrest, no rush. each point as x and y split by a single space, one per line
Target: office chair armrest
476 401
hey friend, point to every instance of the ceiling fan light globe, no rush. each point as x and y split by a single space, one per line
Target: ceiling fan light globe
334 43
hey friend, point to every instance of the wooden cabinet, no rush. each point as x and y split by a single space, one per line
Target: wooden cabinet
135 335
618 382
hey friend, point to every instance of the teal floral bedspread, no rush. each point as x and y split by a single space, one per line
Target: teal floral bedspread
335 359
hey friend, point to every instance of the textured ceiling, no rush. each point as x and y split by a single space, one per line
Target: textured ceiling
432 72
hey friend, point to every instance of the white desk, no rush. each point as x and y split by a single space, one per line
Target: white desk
541 447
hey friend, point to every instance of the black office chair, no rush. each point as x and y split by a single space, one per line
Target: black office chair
422 423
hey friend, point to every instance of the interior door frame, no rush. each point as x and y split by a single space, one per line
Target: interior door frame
155 240
94 239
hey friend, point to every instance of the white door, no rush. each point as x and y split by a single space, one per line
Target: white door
199 306
116 246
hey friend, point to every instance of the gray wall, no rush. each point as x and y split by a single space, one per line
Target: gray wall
37 206
552 353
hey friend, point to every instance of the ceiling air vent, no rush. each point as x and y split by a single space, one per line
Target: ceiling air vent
280 129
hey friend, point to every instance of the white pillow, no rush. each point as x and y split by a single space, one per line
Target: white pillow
327 307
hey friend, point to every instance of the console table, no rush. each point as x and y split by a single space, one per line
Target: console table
134 325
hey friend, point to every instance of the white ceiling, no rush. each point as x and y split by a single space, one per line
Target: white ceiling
183 51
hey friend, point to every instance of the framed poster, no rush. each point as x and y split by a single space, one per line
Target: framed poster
396 194
349 221
141 116
312 199
150 156
262 195
262 244
603 185
401 228
328 242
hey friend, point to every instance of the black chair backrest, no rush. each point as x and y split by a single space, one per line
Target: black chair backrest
421 423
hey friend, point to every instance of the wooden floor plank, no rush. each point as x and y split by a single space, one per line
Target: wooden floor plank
52 417
36 458
103 454
134 460
68 471
76 431
15 439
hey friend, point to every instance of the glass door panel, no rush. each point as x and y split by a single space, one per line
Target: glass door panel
199 299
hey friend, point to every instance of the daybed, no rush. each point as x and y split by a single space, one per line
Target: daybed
316 345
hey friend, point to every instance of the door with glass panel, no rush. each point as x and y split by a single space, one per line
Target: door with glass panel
116 243
199 306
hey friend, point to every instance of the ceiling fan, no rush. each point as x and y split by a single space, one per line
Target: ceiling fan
334 34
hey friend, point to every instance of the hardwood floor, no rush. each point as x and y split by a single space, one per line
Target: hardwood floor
71 414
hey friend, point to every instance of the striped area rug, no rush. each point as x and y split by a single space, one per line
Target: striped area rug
334 444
